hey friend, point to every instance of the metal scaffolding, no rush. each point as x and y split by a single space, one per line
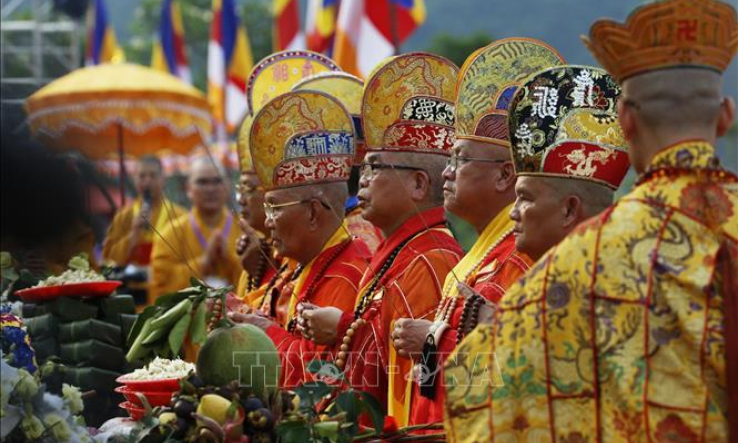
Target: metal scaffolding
37 45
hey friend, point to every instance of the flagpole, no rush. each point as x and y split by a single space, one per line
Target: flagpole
393 26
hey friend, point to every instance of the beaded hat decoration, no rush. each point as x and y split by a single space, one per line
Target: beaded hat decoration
563 123
348 89
277 73
242 145
302 138
408 105
666 34
488 81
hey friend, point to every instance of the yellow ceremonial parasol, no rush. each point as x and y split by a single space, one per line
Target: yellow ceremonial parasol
119 108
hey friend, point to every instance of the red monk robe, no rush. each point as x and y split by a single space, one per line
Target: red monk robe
419 255
499 267
330 279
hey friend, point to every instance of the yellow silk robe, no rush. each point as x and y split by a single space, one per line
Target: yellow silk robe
117 241
175 255
617 333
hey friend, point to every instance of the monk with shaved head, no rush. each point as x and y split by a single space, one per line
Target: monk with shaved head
200 243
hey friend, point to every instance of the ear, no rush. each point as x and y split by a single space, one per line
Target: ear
507 178
573 211
727 116
314 215
627 120
420 185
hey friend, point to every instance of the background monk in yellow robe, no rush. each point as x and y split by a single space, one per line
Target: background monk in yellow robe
130 235
302 146
401 192
200 243
479 187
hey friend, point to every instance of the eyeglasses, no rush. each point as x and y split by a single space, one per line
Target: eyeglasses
367 169
215 181
455 161
270 208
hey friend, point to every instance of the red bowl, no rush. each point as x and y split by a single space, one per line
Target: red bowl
165 385
155 398
135 412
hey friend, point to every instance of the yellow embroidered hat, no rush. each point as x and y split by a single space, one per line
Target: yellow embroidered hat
278 73
242 145
408 105
563 122
667 34
349 90
302 138
488 81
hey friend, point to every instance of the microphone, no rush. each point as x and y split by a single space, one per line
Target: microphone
146 205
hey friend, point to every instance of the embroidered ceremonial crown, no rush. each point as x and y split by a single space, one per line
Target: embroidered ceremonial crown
408 105
563 122
488 81
277 73
348 89
271 77
302 138
667 34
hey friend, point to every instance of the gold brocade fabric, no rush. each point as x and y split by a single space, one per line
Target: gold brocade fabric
616 333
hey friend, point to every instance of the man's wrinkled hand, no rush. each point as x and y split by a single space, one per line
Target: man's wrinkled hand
408 337
253 319
321 324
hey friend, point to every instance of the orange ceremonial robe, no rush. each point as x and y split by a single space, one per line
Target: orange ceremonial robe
499 267
330 279
409 288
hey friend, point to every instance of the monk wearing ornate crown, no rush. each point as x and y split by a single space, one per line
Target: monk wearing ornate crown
264 271
409 127
626 330
349 90
302 146
479 187
555 192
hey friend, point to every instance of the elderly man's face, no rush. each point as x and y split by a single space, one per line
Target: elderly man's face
538 214
207 188
383 188
288 220
149 178
251 199
469 179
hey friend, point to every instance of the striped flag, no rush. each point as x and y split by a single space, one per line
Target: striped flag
229 64
169 52
320 25
366 34
288 35
102 46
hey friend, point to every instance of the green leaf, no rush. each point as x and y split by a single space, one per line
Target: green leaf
327 429
372 406
293 431
147 313
179 331
315 365
198 332
350 403
310 393
169 300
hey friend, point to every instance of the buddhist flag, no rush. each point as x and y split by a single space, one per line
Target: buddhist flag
368 31
169 52
288 35
229 64
101 44
320 25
